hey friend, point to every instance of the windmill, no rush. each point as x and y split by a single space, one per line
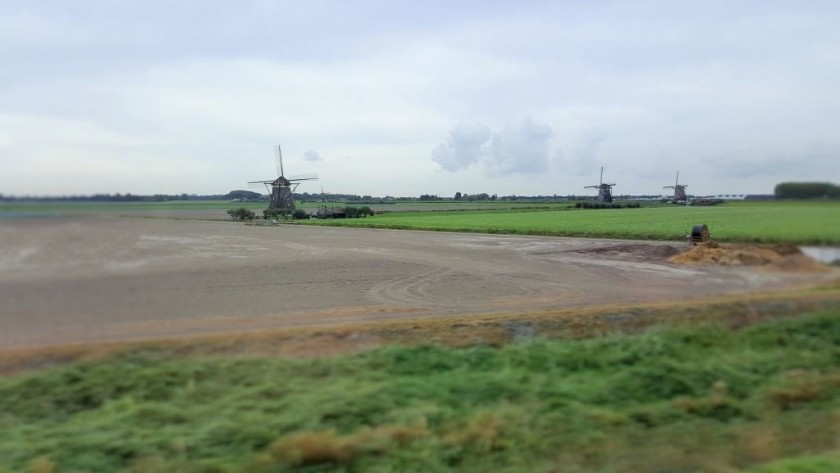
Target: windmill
282 189
679 191
325 211
604 190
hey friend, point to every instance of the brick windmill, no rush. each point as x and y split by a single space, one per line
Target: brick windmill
282 189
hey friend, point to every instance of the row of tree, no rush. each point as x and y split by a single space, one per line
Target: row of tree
807 190
472 197
245 196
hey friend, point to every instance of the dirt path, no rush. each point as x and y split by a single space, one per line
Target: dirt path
112 279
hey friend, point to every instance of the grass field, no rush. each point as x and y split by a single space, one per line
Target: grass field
768 222
688 398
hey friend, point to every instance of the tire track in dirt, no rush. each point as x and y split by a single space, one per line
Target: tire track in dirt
198 277
427 289
408 290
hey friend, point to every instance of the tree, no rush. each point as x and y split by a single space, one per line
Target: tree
457 196
242 195
807 190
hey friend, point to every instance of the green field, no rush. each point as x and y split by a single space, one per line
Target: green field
689 398
799 222
814 222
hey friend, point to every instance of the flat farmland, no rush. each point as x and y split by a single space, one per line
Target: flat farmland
84 279
145 344
765 222
217 209
797 222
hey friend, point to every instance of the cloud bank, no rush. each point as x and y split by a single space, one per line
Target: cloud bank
523 149
312 157
463 148
509 98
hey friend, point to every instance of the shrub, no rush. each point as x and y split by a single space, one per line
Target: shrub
241 214
351 212
356 212
269 214
311 448
606 205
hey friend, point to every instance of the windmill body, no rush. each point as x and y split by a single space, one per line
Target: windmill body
282 189
604 190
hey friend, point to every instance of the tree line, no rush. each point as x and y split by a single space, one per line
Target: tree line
807 190
129 197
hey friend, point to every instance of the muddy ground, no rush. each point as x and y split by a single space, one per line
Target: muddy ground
80 280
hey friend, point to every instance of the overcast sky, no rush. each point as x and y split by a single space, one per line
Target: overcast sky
402 97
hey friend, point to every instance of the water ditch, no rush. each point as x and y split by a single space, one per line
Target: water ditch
823 254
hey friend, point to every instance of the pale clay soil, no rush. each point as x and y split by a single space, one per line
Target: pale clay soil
88 279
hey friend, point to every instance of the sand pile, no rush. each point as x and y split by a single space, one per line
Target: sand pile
640 251
775 257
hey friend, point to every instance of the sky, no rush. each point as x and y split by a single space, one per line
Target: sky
405 98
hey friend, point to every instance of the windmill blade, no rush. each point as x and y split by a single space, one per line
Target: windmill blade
278 160
265 185
304 177
677 182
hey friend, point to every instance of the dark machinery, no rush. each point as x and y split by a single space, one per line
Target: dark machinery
699 234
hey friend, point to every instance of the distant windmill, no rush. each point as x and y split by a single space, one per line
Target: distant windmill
604 190
282 189
679 190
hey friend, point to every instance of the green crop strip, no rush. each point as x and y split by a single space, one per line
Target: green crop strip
669 399
759 222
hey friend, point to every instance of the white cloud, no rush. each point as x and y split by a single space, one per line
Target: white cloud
312 157
519 150
512 150
463 148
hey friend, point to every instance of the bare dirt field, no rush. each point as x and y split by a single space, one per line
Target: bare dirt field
81 280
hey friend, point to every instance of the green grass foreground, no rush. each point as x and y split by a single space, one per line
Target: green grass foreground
798 222
702 398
